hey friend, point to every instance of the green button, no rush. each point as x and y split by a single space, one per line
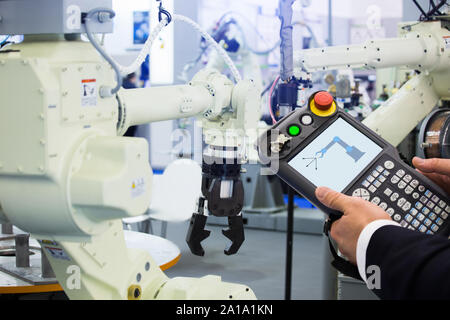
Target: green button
294 130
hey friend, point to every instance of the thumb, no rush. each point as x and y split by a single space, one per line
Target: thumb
332 199
441 166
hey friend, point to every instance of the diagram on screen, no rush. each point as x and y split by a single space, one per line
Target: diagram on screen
352 151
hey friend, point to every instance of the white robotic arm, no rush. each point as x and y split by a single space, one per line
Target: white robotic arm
66 176
423 47
207 94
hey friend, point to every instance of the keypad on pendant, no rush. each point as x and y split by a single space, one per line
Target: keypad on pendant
409 203
361 193
375 179
402 185
414 183
394 196
400 173
395 179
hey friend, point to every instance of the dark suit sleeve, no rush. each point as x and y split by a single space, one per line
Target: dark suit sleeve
412 265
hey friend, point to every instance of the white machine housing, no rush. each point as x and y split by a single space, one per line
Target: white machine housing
68 178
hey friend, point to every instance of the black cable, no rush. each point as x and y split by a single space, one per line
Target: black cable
289 243
432 5
267 88
436 8
420 9
433 9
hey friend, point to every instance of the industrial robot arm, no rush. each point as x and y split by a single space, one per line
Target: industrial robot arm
229 116
69 177
423 46
222 188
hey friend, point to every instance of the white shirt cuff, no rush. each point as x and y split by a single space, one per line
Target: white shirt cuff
363 243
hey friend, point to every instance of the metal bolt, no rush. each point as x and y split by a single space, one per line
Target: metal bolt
425 145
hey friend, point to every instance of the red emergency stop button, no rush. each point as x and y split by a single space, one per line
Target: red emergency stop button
323 100
323 104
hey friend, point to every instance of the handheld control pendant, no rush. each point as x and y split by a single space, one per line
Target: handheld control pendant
321 145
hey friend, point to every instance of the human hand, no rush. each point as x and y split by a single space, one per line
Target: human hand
357 214
437 170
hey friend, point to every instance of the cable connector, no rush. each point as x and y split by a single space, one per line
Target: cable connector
106 92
